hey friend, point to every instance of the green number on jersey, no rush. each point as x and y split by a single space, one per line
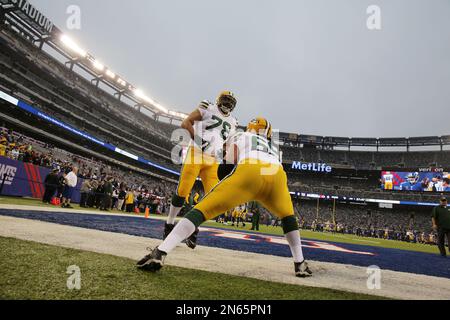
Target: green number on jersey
215 125
226 126
226 130
261 144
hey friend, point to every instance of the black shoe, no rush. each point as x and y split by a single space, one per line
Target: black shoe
191 242
302 269
63 205
68 206
153 261
167 230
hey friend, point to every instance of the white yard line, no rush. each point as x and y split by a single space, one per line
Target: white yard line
265 267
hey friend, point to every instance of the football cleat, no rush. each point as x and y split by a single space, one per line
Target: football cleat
191 242
167 230
302 270
153 261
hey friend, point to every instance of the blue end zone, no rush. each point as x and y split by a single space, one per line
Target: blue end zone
391 259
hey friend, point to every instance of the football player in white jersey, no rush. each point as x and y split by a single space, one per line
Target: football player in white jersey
437 184
388 180
258 176
209 126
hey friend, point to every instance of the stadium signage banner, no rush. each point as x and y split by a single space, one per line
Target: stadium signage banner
27 180
126 154
7 174
313 167
8 98
31 12
431 169
419 181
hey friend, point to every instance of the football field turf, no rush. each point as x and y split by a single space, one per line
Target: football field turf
230 253
37 271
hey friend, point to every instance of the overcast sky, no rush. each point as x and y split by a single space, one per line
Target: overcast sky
311 66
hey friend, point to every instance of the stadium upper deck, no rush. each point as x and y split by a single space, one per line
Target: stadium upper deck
90 97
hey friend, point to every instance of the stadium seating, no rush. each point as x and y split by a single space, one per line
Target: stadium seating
367 221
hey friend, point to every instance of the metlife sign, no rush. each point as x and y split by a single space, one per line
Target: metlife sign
312 167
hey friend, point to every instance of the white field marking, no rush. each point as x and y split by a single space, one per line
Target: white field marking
398 285
58 209
233 234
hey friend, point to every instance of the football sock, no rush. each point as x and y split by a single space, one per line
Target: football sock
173 213
182 230
175 208
295 243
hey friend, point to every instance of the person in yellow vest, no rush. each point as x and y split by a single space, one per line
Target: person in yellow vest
242 216
2 150
235 216
129 200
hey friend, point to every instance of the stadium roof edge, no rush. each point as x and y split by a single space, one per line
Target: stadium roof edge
29 20
369 141
42 30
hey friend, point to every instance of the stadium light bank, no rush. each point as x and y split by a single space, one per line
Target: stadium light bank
81 53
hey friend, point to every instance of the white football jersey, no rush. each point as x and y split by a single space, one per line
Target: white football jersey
388 178
252 146
439 186
215 128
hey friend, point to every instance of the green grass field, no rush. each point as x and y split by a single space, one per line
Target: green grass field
307 234
36 271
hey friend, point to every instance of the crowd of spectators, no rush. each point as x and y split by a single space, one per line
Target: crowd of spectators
104 186
109 193
404 224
